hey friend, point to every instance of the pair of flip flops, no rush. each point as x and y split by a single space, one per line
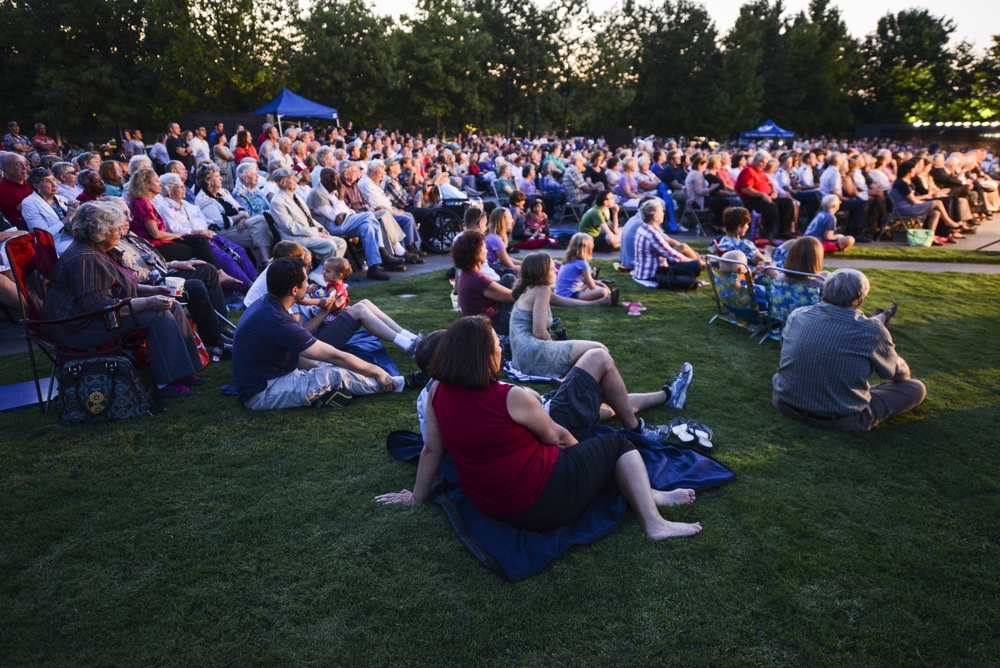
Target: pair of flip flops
689 431
634 308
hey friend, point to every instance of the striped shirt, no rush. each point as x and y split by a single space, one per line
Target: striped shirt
652 252
828 354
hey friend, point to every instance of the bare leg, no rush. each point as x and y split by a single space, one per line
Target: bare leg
633 482
638 401
378 313
371 323
599 364
595 294
845 242
581 347
8 291
687 251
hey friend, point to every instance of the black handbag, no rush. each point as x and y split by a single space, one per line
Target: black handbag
101 389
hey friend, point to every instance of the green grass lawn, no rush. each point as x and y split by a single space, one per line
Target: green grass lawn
902 253
208 535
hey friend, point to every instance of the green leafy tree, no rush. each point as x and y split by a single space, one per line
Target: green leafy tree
441 69
346 58
679 71
825 64
748 60
521 55
907 67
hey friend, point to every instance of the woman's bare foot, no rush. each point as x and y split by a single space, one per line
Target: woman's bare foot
665 529
677 497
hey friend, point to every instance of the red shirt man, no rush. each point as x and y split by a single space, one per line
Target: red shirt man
752 176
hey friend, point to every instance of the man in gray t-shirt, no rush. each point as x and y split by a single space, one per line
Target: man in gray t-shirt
830 350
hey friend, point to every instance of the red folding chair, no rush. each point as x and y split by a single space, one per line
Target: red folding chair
32 257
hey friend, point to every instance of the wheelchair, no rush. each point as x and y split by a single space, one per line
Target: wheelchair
440 224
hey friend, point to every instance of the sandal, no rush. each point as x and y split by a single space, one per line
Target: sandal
679 428
635 309
701 433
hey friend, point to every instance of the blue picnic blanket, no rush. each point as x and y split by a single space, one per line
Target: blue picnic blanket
515 554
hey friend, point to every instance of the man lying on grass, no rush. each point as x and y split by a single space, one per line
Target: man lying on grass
830 350
518 463
278 364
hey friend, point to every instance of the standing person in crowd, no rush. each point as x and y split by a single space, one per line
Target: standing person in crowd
178 149
15 142
42 143
135 146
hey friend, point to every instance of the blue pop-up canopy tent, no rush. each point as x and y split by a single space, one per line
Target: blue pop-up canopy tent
289 104
768 130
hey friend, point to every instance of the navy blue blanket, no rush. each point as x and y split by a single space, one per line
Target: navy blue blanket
515 554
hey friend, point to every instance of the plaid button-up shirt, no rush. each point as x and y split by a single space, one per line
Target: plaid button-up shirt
573 183
652 252
397 195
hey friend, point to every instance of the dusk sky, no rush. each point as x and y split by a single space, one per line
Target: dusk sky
975 21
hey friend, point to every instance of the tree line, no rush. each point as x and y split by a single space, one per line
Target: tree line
510 66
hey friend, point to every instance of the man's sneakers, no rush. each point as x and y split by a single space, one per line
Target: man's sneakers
335 398
415 380
411 349
677 390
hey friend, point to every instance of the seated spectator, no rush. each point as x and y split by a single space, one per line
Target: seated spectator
93 186
945 173
202 287
805 254
376 200
294 223
595 174
14 188
228 218
829 350
114 180
236 269
736 221
532 347
579 193
931 211
575 279
277 363
478 294
281 157
613 173
87 279
497 238
824 227
632 225
504 184
831 182
696 186
655 259
736 273
148 224
601 222
771 170
536 223
65 173
246 193
754 188
340 220
466 393
46 210
515 205
628 186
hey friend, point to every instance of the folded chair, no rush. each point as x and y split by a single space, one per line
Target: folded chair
735 298
784 297
32 257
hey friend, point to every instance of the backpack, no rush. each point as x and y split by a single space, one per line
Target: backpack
101 389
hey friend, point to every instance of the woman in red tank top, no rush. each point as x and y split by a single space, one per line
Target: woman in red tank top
513 461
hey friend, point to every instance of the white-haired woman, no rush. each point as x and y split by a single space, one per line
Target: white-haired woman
87 279
149 224
45 209
235 266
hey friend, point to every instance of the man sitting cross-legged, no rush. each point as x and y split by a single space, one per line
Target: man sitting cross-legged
278 364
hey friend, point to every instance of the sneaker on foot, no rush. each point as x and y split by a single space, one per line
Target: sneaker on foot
677 389
194 381
336 398
411 349
415 380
